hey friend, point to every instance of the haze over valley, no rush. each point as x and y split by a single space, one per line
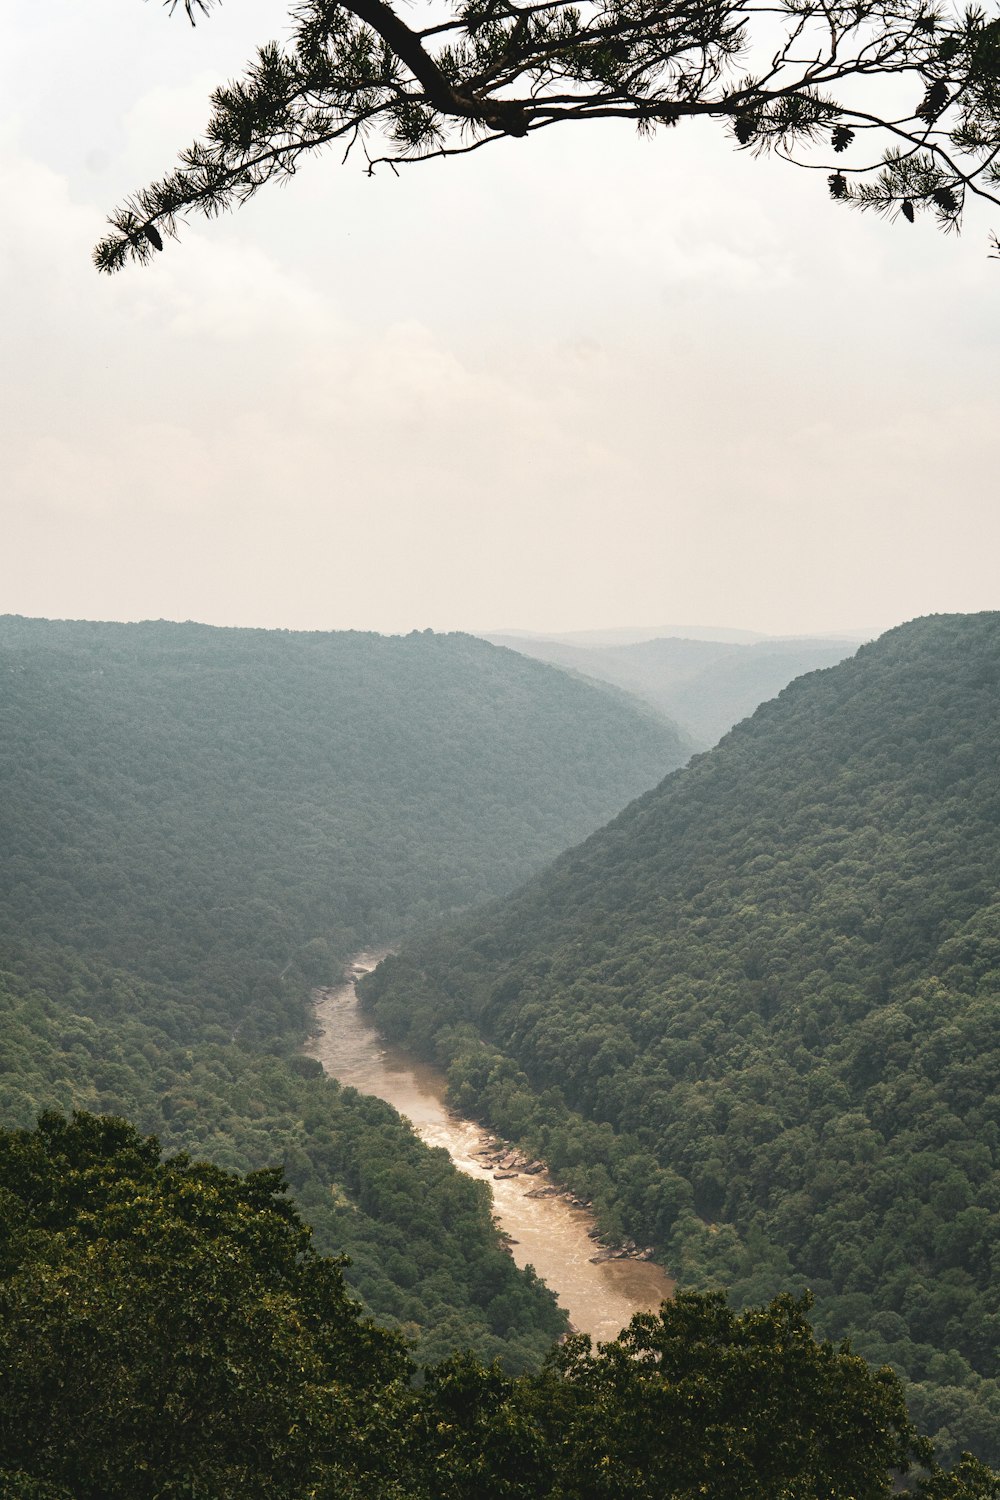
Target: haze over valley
702 685
745 1027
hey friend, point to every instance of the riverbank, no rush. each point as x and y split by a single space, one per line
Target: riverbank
507 1162
600 1285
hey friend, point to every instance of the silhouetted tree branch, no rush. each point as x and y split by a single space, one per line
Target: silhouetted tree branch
810 80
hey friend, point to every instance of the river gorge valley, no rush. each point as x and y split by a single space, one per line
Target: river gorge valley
544 1228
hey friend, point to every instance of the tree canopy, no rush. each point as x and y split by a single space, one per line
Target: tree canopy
895 102
168 1330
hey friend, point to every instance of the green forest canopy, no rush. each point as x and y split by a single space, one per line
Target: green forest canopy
167 1329
755 1017
189 799
896 106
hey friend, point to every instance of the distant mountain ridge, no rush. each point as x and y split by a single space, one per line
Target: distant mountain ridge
702 686
756 1015
629 635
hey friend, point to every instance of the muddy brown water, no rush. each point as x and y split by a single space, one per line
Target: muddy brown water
548 1233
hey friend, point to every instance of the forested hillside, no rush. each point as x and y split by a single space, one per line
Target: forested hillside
702 687
756 1017
189 798
200 824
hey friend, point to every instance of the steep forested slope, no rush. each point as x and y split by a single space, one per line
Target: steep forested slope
198 824
703 687
186 798
757 1015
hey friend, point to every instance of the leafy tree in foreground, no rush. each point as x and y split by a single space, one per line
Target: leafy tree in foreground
698 1400
166 1330
895 102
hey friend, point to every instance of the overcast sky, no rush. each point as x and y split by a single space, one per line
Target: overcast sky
583 380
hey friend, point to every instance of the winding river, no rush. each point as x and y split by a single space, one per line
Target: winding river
546 1232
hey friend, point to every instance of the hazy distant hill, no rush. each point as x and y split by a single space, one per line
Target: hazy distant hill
631 635
178 796
757 1015
198 824
702 686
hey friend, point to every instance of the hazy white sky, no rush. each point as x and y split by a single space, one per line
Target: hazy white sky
580 380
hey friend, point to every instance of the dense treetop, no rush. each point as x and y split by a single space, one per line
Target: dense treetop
755 1016
167 1329
893 103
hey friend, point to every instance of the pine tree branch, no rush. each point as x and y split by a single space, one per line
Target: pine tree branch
496 69
511 118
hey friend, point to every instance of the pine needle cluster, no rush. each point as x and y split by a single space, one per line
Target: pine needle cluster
806 79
